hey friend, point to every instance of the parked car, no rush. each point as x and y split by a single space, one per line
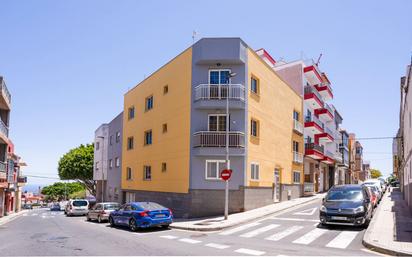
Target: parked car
375 182
63 205
137 215
27 207
101 211
347 205
383 183
374 193
55 207
77 207
395 183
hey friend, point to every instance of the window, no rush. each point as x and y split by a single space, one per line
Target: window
147 173
130 143
254 128
254 171
118 137
217 77
130 113
148 137
164 128
213 168
296 115
129 173
117 161
111 163
295 146
96 166
165 89
254 85
149 103
97 145
217 122
296 177
111 140
164 167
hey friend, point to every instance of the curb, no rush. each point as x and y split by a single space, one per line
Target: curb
206 229
7 219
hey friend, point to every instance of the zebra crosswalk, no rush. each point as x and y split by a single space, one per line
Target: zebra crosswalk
43 215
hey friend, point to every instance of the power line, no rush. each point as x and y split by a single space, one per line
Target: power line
35 176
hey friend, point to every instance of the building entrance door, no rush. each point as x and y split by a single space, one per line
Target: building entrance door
276 186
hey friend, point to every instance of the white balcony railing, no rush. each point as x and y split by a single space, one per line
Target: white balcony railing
4 129
218 139
218 92
308 188
329 154
297 126
2 166
315 119
297 157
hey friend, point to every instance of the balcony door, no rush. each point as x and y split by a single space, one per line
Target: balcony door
218 80
217 122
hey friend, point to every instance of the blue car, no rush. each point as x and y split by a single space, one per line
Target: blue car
137 215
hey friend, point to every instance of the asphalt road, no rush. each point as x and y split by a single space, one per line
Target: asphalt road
293 232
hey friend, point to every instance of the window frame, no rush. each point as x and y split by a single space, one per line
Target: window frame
164 166
131 112
149 99
110 163
145 177
117 162
293 176
253 171
257 127
151 137
117 136
129 173
217 169
218 115
128 145
253 77
296 113
164 128
295 143
219 70
165 89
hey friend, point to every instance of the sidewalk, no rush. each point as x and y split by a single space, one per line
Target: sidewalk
8 218
390 230
218 223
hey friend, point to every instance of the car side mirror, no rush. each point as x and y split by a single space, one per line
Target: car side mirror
323 200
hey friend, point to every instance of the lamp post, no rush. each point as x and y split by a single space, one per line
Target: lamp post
103 191
230 75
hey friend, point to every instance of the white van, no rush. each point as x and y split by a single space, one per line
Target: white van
77 207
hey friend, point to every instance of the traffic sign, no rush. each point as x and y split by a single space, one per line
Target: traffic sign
225 174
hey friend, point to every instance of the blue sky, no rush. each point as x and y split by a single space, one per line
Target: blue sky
68 63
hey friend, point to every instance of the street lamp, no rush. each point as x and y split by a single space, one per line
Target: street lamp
230 75
103 187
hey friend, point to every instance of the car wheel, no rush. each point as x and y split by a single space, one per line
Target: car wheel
99 219
132 225
165 226
111 221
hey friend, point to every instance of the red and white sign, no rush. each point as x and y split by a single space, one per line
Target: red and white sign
225 174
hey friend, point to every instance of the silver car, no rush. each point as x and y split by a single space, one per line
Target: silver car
77 207
101 211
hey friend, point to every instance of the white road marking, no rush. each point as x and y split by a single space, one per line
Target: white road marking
217 246
25 214
249 251
169 237
343 240
189 241
284 233
34 214
307 212
310 237
293 219
259 231
238 229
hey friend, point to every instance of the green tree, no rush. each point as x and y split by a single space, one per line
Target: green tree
77 165
59 190
376 173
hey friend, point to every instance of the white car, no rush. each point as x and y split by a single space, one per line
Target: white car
375 182
77 207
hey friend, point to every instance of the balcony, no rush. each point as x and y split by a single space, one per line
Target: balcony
218 139
208 96
3 166
298 127
338 157
22 180
313 75
326 113
5 98
313 125
4 131
328 158
313 98
314 151
326 136
297 157
325 91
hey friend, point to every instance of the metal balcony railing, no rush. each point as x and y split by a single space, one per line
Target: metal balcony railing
326 86
218 92
297 157
312 90
314 119
297 126
5 91
313 146
327 107
3 167
4 129
218 139
22 179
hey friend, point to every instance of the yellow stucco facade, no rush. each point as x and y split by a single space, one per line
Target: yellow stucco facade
169 154
272 107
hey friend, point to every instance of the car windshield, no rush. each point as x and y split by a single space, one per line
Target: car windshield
344 194
111 206
79 203
149 206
